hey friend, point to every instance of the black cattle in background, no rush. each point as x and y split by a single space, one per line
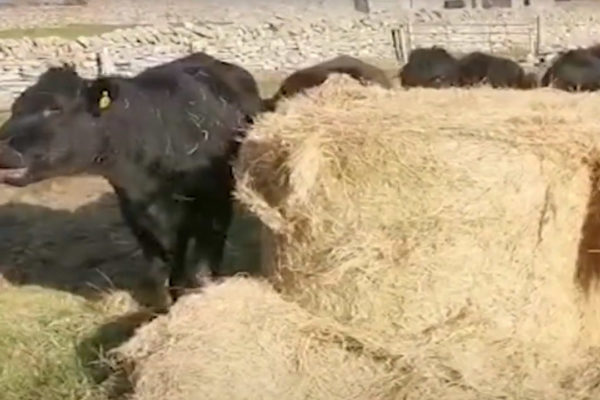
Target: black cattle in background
499 72
574 70
431 67
315 75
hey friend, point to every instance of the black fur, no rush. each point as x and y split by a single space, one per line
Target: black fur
315 75
431 67
574 70
231 81
499 72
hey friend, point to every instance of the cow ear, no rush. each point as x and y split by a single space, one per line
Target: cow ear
101 94
69 66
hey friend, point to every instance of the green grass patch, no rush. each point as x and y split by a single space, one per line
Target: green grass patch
71 31
41 332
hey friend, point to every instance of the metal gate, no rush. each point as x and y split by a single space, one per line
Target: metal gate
514 39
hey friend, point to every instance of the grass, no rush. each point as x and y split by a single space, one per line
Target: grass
40 352
71 31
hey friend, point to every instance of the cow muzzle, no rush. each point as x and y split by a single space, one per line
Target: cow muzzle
13 169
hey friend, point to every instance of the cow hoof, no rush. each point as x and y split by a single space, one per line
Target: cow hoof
154 295
176 292
163 301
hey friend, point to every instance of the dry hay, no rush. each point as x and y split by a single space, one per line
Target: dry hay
427 241
240 340
440 225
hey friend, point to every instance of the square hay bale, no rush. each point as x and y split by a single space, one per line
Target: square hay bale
443 229
240 340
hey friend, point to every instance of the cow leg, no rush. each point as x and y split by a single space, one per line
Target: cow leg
209 246
153 291
152 286
177 277
207 255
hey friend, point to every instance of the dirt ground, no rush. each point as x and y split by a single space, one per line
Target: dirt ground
68 234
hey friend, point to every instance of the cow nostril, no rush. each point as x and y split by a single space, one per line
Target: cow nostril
9 157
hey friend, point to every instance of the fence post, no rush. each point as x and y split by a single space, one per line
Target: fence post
490 38
362 6
538 41
104 63
396 43
403 45
409 33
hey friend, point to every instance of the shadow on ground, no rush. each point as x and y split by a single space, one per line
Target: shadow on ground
111 374
89 250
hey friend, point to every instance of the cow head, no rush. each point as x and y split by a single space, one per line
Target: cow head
54 129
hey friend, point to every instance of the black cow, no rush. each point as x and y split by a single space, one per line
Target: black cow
431 67
233 82
163 139
477 68
574 70
594 49
315 75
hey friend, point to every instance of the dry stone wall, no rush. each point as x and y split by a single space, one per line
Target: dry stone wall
275 42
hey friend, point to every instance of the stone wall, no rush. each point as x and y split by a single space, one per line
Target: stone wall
276 44
272 42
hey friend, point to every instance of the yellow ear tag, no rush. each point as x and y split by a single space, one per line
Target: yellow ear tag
104 100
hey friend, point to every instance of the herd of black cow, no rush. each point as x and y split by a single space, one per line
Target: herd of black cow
573 70
165 138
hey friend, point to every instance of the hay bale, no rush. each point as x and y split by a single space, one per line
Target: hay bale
439 228
240 340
